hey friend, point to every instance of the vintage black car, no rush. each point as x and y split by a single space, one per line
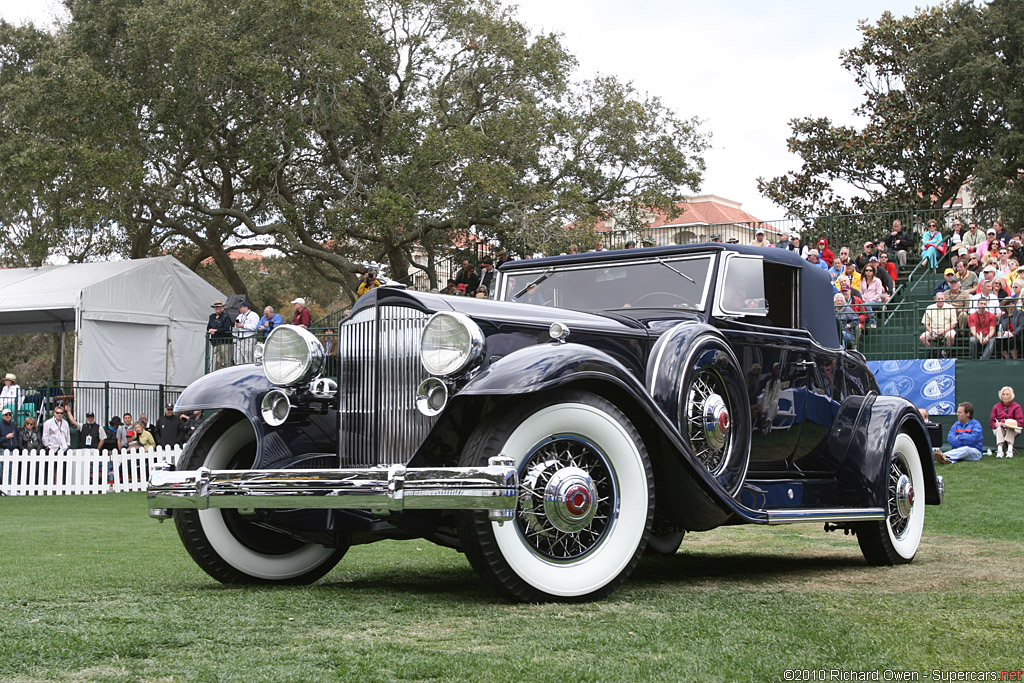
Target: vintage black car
602 406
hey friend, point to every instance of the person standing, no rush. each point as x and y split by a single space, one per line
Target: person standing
965 436
144 437
245 333
28 436
219 330
487 274
122 431
1006 421
56 432
10 395
8 432
89 434
301 317
268 322
368 282
468 276
168 428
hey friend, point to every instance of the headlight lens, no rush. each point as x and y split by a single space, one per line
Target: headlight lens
291 355
451 343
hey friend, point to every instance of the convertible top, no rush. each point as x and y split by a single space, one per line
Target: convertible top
816 310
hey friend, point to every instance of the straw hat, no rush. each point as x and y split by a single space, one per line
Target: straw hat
9 377
1010 423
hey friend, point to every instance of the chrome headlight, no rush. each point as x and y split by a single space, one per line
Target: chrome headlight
275 407
451 342
292 355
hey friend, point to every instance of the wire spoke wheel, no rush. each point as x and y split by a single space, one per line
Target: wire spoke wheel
708 421
586 499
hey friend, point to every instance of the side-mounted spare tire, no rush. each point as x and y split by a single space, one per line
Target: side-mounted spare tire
586 499
695 377
227 546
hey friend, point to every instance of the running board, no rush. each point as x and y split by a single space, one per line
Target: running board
794 516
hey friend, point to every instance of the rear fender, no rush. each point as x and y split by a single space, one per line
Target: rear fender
862 438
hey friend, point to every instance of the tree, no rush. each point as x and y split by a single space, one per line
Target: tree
344 131
925 121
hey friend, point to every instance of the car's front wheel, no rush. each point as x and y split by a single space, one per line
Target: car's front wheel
586 499
224 543
896 539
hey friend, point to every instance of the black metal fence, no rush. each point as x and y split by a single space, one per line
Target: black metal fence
104 399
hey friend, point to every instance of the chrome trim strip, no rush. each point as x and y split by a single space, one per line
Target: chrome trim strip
790 516
379 489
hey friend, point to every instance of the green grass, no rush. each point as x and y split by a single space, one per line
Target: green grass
91 588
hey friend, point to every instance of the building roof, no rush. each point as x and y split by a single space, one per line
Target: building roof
700 210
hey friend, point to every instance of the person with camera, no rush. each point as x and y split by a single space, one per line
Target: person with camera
368 282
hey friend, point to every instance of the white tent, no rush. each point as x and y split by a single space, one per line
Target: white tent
138 321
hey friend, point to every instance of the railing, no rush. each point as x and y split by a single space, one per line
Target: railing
80 471
897 337
242 351
104 399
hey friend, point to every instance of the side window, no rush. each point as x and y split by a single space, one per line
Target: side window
743 287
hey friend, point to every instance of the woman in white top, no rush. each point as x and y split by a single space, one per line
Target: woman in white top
10 395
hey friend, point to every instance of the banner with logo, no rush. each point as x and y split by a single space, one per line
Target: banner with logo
928 384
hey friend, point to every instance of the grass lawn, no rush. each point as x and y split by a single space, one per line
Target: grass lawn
91 588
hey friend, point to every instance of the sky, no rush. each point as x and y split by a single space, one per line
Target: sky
744 67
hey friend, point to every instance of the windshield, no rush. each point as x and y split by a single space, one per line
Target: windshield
651 283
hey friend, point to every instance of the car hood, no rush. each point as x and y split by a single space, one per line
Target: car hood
525 315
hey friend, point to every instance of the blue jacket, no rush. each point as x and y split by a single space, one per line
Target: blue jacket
969 434
8 435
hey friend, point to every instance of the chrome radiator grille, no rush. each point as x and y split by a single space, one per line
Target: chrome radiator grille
379 360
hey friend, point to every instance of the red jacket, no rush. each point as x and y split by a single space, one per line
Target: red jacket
1001 413
826 254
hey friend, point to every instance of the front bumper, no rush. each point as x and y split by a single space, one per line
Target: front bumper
379 489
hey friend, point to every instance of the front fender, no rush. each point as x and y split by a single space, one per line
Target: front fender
549 366
240 390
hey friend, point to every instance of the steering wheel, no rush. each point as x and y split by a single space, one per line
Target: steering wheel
671 294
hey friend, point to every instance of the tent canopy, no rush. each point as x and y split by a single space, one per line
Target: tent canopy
137 321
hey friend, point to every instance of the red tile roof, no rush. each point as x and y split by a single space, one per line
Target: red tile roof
703 210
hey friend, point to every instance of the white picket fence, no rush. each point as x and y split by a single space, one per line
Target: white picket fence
79 471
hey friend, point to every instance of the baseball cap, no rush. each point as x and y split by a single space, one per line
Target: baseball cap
822 241
7 411
948 271
130 432
299 300
990 231
954 279
759 231
461 287
989 269
962 251
873 258
169 406
246 304
90 414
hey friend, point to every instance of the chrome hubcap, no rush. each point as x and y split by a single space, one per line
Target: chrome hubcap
904 496
566 498
569 499
709 421
716 421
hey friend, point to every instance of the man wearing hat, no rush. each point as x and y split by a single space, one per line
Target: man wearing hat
301 317
943 286
169 428
759 239
245 333
10 395
827 255
865 256
716 238
784 242
219 329
89 433
733 240
8 433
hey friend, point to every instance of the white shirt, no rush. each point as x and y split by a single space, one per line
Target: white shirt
11 395
249 322
56 435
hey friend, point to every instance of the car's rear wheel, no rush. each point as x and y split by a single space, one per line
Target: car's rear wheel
896 539
224 543
585 506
